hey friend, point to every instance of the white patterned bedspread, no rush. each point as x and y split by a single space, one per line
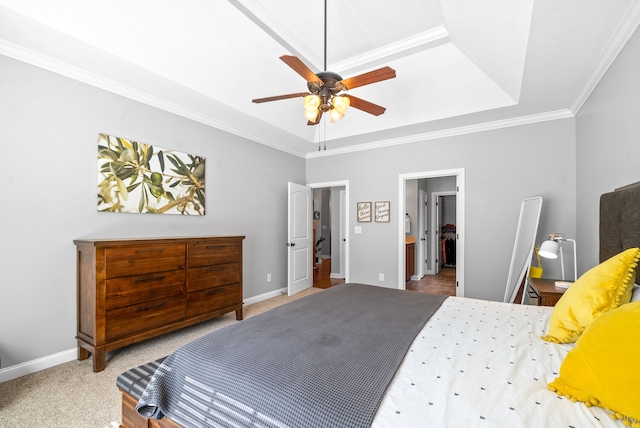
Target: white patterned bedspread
478 363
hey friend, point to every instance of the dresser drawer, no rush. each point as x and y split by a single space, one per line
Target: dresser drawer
122 322
213 253
142 259
202 302
143 288
212 276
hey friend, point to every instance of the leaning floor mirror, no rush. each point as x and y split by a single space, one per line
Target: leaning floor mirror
523 247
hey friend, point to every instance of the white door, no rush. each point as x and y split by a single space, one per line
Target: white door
300 237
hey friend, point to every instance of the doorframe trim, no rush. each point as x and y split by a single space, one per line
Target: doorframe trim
459 173
345 184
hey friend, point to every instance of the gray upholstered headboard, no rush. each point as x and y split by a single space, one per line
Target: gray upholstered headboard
619 220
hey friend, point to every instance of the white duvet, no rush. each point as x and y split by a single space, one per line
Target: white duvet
478 363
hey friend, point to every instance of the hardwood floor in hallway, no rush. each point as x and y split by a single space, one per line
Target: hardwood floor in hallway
322 275
443 283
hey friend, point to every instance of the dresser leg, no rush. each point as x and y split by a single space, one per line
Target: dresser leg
98 360
83 354
239 315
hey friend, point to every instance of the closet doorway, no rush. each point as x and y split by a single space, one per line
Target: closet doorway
443 240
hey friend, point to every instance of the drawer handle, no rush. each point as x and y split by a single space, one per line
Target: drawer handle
212 268
150 278
150 250
144 308
212 247
215 291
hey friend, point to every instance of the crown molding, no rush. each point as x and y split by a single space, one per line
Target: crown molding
75 73
617 42
445 133
42 61
420 42
263 18
261 15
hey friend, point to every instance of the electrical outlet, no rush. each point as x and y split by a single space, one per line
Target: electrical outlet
268 277
380 277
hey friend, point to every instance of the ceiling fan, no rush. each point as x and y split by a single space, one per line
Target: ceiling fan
325 87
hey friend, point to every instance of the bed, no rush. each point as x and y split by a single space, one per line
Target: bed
459 362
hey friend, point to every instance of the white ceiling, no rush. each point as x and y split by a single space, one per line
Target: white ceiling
461 66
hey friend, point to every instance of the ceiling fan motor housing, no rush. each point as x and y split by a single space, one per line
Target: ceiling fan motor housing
331 85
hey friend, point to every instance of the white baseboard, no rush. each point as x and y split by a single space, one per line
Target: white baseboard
336 276
265 296
38 364
28 367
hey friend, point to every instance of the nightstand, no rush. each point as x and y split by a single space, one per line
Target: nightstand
544 290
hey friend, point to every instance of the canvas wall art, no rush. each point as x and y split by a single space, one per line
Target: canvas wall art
140 178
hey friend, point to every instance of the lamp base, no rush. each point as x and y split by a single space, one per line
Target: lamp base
563 284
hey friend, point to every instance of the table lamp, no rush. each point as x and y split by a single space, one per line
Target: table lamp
550 249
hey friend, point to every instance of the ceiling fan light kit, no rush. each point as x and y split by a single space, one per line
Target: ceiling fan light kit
325 86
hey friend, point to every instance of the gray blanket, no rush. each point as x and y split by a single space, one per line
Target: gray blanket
321 361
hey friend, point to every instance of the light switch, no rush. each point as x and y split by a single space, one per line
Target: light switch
357 229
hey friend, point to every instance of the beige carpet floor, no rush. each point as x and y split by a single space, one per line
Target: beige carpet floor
71 395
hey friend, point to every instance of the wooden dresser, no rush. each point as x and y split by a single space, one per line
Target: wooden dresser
130 290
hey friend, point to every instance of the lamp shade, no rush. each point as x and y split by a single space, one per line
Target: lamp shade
549 250
341 103
311 103
311 115
335 115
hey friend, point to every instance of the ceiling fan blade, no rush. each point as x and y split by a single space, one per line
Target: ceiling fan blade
317 119
299 67
366 106
374 76
280 97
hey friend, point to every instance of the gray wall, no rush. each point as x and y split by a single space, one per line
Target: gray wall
502 167
49 133
608 150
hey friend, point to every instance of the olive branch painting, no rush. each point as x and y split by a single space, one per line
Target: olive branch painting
139 178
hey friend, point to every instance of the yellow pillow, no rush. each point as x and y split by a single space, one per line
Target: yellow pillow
602 370
602 288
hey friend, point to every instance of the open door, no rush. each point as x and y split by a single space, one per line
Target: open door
300 237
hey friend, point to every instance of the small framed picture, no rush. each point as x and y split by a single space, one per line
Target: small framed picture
363 210
381 211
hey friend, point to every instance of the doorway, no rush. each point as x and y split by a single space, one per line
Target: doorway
416 192
331 218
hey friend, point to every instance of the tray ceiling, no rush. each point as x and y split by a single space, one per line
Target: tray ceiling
461 66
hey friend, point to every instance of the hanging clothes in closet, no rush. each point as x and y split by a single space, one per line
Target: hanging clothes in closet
448 245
